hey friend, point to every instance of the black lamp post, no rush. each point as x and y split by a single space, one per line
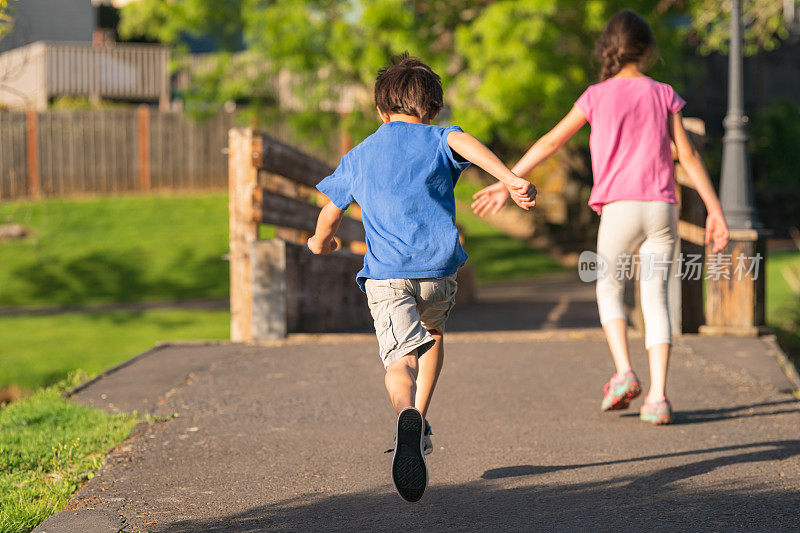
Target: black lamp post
736 188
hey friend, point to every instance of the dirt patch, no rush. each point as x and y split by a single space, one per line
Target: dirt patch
12 393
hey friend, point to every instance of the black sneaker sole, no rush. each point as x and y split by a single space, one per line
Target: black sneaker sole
409 473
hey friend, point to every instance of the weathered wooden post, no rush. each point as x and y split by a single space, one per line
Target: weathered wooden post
735 276
143 119
735 288
242 181
32 149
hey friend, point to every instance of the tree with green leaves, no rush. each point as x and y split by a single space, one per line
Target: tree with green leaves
764 24
510 68
525 63
6 18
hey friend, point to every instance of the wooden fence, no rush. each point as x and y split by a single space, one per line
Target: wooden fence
120 70
58 153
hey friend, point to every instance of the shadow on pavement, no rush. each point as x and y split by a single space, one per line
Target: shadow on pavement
779 450
658 500
699 416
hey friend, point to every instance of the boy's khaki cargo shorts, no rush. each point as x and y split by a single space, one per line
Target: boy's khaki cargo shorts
405 309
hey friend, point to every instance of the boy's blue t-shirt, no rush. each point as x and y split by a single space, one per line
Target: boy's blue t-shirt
403 176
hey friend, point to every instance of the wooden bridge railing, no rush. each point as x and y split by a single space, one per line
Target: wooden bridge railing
687 291
277 286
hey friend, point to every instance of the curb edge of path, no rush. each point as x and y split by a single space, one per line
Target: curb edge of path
784 362
82 520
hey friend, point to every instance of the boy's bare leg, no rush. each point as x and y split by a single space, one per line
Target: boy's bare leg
617 336
430 365
401 381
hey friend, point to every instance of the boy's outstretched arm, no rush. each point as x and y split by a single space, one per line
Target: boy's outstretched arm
322 242
490 199
471 149
716 227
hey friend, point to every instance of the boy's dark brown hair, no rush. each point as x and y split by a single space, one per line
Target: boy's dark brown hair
410 87
626 38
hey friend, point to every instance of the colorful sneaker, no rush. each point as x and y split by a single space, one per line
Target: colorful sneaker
409 472
619 391
658 412
427 444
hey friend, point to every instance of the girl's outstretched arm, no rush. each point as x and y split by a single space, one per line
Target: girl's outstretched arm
716 227
549 144
490 199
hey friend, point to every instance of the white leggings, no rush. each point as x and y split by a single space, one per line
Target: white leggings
650 226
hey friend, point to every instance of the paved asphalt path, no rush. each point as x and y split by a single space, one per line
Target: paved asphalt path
291 437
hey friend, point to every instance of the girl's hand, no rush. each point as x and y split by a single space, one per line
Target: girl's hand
490 199
717 231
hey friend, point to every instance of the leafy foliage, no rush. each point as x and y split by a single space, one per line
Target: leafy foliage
6 17
526 62
762 21
169 22
775 133
511 68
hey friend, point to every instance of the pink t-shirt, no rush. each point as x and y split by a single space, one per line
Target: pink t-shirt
630 142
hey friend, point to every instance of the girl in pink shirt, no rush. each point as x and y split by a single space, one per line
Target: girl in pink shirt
633 119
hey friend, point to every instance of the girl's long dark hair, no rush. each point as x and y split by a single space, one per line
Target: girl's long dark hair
626 38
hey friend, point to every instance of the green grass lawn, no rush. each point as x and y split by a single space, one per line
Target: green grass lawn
783 307
41 350
781 301
48 448
121 249
117 249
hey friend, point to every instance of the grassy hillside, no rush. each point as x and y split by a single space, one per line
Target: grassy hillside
123 249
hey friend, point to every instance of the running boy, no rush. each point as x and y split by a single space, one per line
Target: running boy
403 176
